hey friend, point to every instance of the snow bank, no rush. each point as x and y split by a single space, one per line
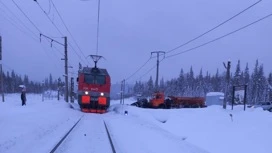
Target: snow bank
38 126
140 131
34 127
216 131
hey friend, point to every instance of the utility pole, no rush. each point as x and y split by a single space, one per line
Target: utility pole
59 85
122 92
1 75
72 90
158 62
66 69
228 81
65 61
43 83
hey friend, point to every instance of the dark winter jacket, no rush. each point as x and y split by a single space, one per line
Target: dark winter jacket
23 96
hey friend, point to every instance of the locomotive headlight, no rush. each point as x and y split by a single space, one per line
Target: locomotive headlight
86 92
101 94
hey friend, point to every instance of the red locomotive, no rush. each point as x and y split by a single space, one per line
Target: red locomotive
94 88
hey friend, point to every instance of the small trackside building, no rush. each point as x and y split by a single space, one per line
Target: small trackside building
214 98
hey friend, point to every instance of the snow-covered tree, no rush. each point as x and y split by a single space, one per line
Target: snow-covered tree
181 83
269 80
237 75
50 81
162 85
150 86
262 84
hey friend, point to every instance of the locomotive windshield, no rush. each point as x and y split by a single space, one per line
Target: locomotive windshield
95 79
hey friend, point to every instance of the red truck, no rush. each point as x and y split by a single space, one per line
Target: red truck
158 101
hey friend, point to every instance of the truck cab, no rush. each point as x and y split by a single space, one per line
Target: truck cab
157 99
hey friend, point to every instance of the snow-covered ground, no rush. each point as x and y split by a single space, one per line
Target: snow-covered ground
39 125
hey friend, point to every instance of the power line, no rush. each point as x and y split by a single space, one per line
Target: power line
49 18
67 27
12 22
147 72
97 31
49 3
203 34
218 38
75 51
138 69
60 52
18 19
26 16
56 65
57 27
212 29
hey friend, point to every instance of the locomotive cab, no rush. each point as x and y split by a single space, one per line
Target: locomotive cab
93 89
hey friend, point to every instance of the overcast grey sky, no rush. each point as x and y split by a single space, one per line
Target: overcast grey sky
129 31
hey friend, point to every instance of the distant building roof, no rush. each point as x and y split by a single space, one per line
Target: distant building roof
215 94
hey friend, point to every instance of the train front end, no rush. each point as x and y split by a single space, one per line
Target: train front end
94 90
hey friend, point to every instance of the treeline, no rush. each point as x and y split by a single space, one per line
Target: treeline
190 84
12 81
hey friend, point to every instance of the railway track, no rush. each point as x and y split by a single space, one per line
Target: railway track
111 143
97 135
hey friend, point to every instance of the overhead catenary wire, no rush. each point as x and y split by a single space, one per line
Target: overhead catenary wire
24 24
49 18
33 24
56 65
97 31
12 22
149 70
138 69
212 29
201 35
35 39
75 51
67 28
30 22
57 28
49 3
26 16
58 50
221 37
211 41
19 19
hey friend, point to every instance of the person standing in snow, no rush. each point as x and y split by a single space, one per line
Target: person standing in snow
23 97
